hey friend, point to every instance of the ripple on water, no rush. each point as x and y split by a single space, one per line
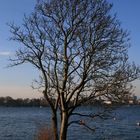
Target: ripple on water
21 124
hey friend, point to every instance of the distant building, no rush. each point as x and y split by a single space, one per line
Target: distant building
107 102
131 101
138 101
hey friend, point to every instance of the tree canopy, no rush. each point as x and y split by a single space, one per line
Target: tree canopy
81 51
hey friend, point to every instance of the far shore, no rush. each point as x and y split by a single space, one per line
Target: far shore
41 102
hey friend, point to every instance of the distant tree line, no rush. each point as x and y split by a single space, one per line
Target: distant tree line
10 102
20 102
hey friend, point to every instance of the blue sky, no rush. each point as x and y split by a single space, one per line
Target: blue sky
16 81
128 12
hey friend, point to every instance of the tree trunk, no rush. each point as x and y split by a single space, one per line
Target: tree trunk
64 126
55 126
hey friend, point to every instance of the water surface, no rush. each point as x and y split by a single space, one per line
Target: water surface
21 123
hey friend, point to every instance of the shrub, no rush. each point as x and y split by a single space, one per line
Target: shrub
44 133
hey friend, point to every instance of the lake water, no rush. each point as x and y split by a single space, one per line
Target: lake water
22 123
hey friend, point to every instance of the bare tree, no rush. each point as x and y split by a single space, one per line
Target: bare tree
80 50
117 86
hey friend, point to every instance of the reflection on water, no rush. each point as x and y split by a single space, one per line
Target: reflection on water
21 124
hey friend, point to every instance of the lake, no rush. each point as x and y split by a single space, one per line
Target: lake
21 123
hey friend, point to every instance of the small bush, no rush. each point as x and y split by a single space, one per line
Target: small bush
44 133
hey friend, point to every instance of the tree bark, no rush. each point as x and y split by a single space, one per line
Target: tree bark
55 126
64 126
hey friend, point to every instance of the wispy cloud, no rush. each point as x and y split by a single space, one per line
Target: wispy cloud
4 53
